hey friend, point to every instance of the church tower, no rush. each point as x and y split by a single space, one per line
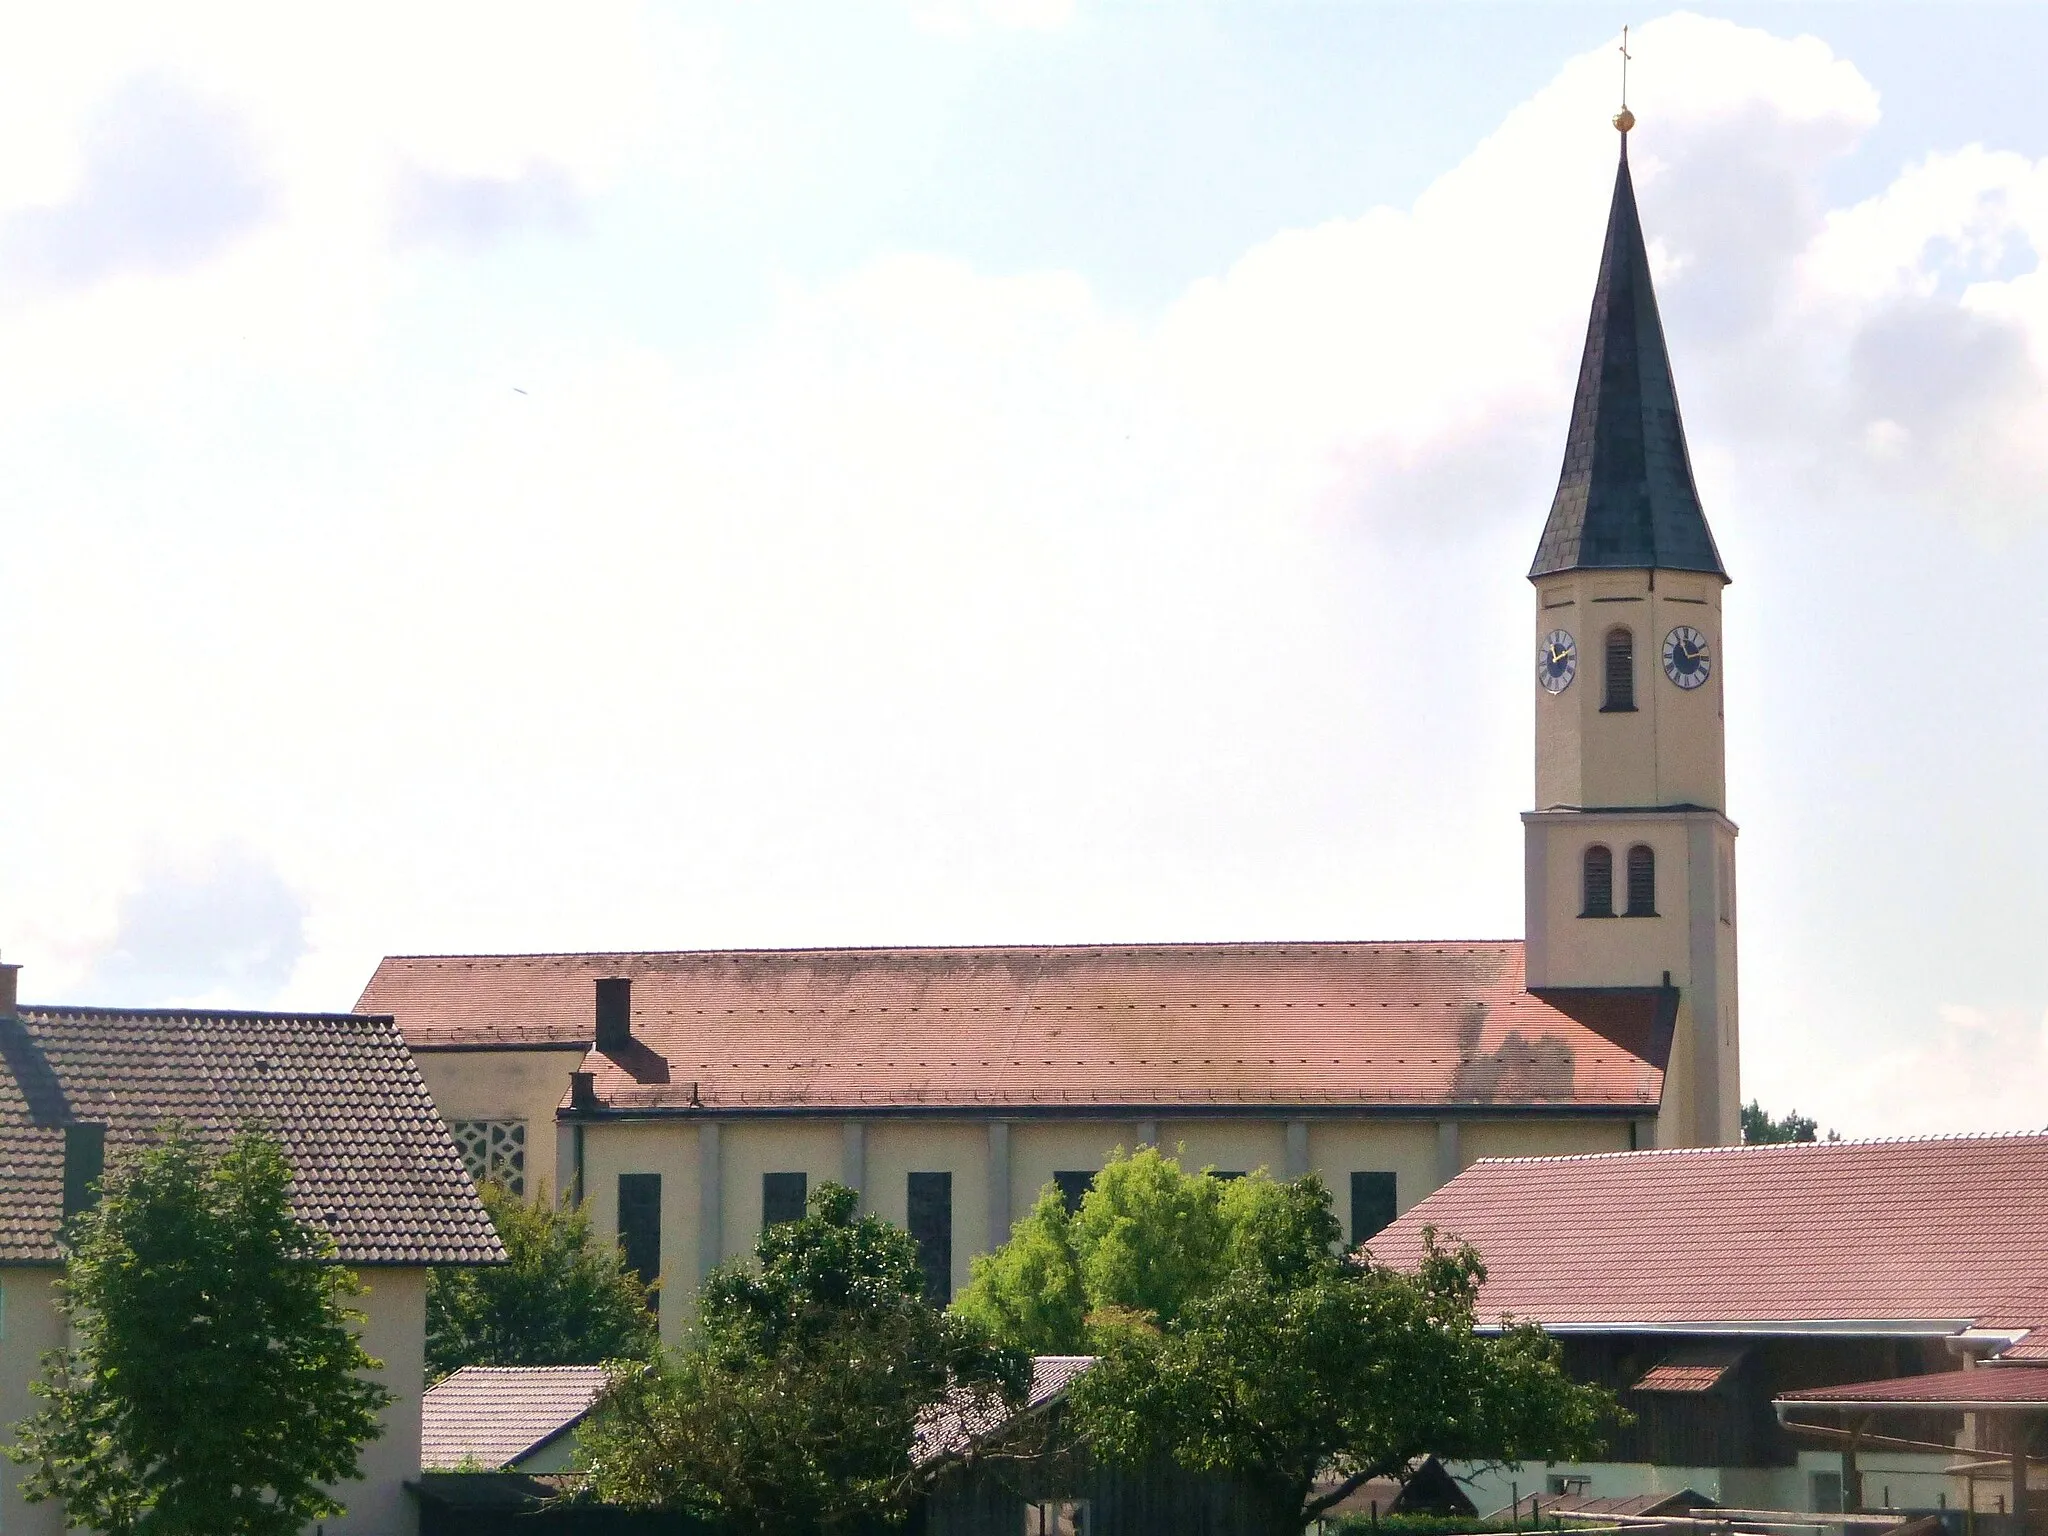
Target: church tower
1630 856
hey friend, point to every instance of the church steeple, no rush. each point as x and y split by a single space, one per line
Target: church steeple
1626 499
1630 855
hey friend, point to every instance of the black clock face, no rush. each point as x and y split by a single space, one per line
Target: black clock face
1557 661
1685 657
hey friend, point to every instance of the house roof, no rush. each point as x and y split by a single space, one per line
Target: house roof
1900 1236
1210 1025
962 1417
1997 1386
1691 1370
497 1415
1626 497
372 1163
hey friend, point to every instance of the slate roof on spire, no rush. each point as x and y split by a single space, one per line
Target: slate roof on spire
1626 499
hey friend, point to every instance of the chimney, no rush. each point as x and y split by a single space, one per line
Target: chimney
85 1159
614 1013
8 974
583 1090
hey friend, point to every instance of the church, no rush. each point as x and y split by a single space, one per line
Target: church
693 1096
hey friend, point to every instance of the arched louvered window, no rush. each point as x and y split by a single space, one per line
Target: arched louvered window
1621 670
1599 882
1642 881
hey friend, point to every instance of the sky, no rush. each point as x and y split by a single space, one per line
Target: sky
523 477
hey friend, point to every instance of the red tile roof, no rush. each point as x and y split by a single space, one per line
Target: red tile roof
1994 1385
1905 1235
962 1417
372 1164
1690 1370
494 1416
1366 1025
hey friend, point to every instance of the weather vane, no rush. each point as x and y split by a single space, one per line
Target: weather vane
1624 119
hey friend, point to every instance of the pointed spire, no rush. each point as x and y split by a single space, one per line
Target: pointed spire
1626 499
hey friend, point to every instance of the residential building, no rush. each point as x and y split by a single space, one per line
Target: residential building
694 1096
1702 1285
373 1167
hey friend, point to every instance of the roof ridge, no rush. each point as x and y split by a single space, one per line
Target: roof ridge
96 1010
1748 1148
941 949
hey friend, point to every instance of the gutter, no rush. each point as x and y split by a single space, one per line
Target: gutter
1823 1327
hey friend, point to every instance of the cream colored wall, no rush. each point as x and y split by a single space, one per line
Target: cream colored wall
1231 1146
1040 1148
505 1085
898 1148
1541 1138
395 1332
1669 749
668 1148
29 1329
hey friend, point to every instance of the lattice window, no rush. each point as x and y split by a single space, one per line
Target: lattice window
494 1150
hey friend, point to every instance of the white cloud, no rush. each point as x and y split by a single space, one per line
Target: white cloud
943 605
1975 1069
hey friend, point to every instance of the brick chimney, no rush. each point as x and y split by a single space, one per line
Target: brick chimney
85 1159
614 1013
8 975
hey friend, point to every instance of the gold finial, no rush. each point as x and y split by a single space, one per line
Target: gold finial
1624 119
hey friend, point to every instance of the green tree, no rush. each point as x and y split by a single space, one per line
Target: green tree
563 1298
216 1385
1149 1238
795 1405
1759 1129
1304 1367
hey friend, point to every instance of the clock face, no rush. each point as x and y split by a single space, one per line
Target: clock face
1685 657
1557 661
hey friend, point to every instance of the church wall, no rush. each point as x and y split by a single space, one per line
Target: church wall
1040 1148
1229 1146
1541 1138
651 1146
898 1148
505 1085
1405 1148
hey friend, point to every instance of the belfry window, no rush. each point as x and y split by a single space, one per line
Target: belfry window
1642 881
1599 882
1621 670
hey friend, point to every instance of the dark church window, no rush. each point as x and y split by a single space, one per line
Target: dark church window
1074 1185
1642 881
931 1226
782 1197
1621 670
1599 882
640 1226
1372 1205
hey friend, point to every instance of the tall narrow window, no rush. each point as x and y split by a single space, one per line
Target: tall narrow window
1599 882
1074 1185
1372 1205
1621 670
782 1197
1642 881
640 1226
931 1226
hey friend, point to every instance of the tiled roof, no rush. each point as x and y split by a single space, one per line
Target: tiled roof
1113 1025
1690 1370
495 1415
1996 1384
1876 1236
963 1417
372 1163
1626 498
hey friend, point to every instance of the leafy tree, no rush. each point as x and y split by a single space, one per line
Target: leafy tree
216 1384
1301 1363
795 1406
1148 1238
564 1297
1759 1129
